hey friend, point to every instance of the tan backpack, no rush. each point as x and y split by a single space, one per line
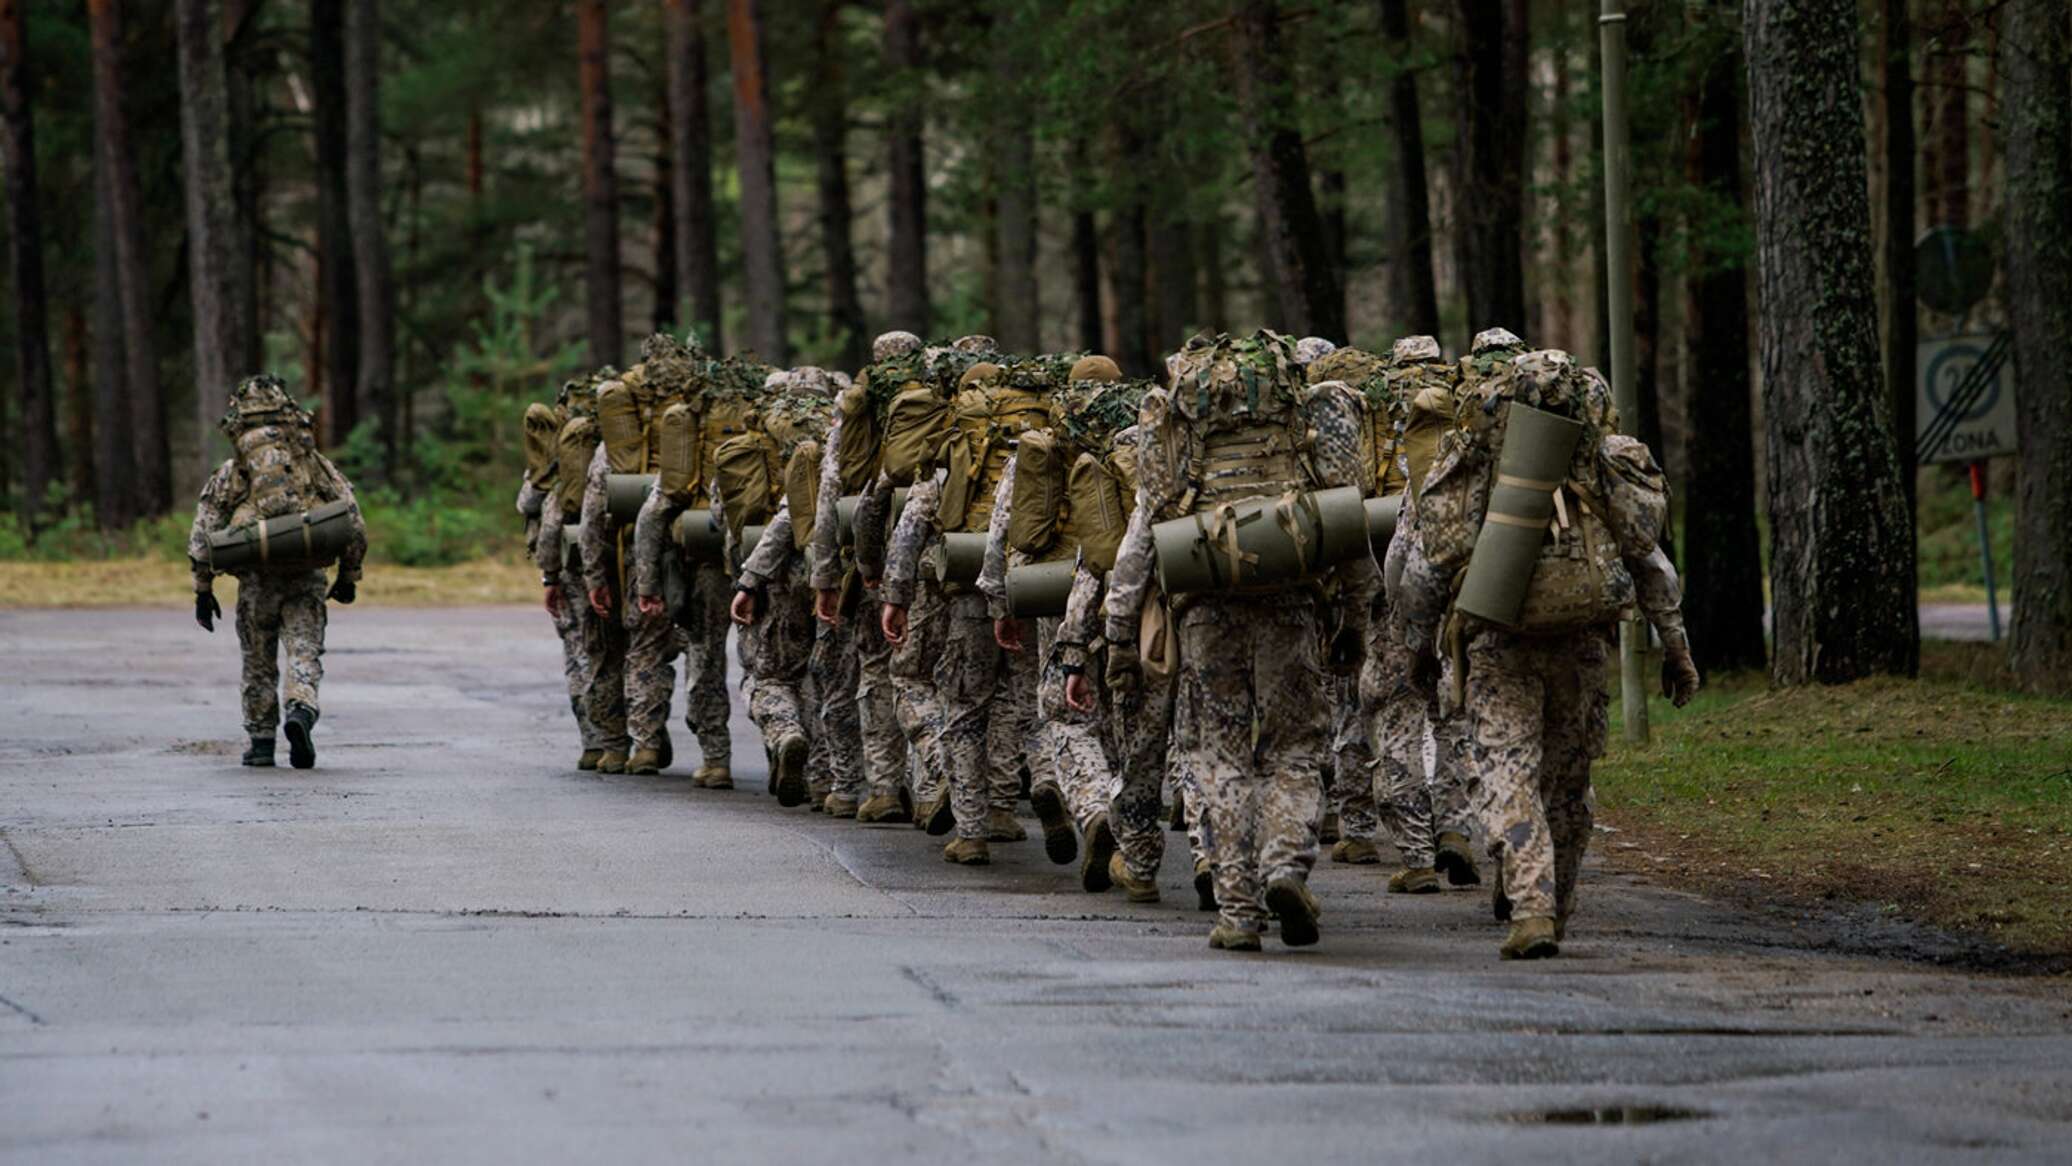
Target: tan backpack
542 427
622 428
1037 505
749 471
917 422
574 448
856 440
802 490
991 415
682 479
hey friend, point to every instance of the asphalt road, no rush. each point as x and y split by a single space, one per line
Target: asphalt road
444 944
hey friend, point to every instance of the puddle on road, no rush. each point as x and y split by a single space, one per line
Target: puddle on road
1609 1115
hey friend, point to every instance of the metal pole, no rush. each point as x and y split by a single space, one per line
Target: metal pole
1985 545
1618 255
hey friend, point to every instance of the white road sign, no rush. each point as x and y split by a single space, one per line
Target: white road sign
1984 429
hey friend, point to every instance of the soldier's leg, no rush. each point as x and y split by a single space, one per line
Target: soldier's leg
839 736
707 706
575 669
1351 771
1506 698
1293 695
1451 780
303 617
967 676
258 641
1135 807
1578 706
650 681
917 702
604 648
1400 791
1013 739
877 715
1212 744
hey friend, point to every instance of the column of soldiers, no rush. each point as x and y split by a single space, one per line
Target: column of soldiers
955 587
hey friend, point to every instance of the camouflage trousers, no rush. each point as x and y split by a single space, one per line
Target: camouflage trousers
836 720
1112 760
915 699
883 742
604 662
1349 778
776 658
1251 730
1538 706
276 615
1416 802
988 716
705 681
575 668
652 646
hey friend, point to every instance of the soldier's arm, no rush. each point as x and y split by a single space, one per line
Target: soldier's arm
1130 580
992 575
1082 622
531 499
596 538
824 545
1336 415
903 555
1422 596
1659 591
355 553
211 514
871 527
771 553
650 536
546 551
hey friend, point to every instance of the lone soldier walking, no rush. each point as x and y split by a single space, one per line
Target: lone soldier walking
275 472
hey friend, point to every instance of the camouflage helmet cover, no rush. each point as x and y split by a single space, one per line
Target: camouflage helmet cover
1492 339
892 344
1411 349
260 399
1309 348
1094 368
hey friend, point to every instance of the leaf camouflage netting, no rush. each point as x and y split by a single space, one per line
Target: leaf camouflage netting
735 378
1093 412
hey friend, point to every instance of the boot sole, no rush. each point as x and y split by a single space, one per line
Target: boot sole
1060 844
1250 942
1538 950
791 773
1298 925
301 753
1100 847
1458 868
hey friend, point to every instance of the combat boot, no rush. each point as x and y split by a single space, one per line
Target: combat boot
881 808
791 770
710 776
967 852
1177 820
1136 890
1531 939
664 753
837 806
1356 852
1455 860
644 762
1204 886
588 761
1327 830
817 794
613 761
259 754
935 816
1231 937
1414 880
1100 847
1003 826
302 752
1060 843
1291 899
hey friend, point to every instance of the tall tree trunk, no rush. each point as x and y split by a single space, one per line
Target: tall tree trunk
663 316
1215 285
1128 291
79 409
1331 196
1173 283
1086 254
1647 328
1902 330
600 185
1949 195
149 454
214 270
907 247
338 288
1017 322
1841 548
1489 161
39 438
761 261
1298 257
115 487
240 73
697 248
837 215
2036 69
377 386
1413 294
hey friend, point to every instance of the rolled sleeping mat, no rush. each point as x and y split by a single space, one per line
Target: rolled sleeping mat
1039 590
1530 468
750 535
700 535
314 538
572 547
1381 522
623 494
1194 555
845 514
958 558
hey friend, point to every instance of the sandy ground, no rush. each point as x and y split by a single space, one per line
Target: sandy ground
445 944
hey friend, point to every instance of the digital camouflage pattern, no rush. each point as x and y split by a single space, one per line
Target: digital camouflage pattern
280 615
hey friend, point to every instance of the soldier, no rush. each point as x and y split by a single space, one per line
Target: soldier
537 494
1251 718
1533 676
274 472
559 556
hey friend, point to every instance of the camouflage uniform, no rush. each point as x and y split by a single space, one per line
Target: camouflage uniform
777 649
911 664
858 717
1030 718
604 640
537 505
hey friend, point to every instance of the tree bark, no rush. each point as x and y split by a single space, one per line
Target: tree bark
1086 254
1298 255
907 299
1407 229
2036 71
1723 569
1841 548
376 392
1489 161
213 268
663 316
1949 198
240 73
149 455
697 248
1127 274
761 261
115 488
600 185
1902 325
1173 283
837 215
1017 316
79 409
39 438
338 289
1215 286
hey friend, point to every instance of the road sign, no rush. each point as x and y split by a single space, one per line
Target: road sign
1953 269
1965 394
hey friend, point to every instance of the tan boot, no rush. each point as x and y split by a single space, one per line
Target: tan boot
1003 826
1291 899
1060 841
1455 860
710 776
1415 880
1136 890
967 852
937 817
1229 937
791 770
837 806
613 761
1204 886
645 762
881 808
1100 847
588 761
1356 852
1327 831
1531 939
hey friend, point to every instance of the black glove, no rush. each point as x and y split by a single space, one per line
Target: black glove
1680 679
1125 672
344 590
206 610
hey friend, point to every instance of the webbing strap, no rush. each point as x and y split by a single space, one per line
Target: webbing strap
1502 519
1543 486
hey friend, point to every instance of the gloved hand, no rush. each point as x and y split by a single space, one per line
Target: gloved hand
1680 679
206 610
344 590
1125 672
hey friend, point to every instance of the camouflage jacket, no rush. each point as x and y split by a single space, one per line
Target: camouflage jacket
824 546
598 532
651 541
227 488
1079 633
546 548
775 560
531 502
992 575
914 533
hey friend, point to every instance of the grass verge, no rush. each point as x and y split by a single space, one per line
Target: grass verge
158 582
1942 800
